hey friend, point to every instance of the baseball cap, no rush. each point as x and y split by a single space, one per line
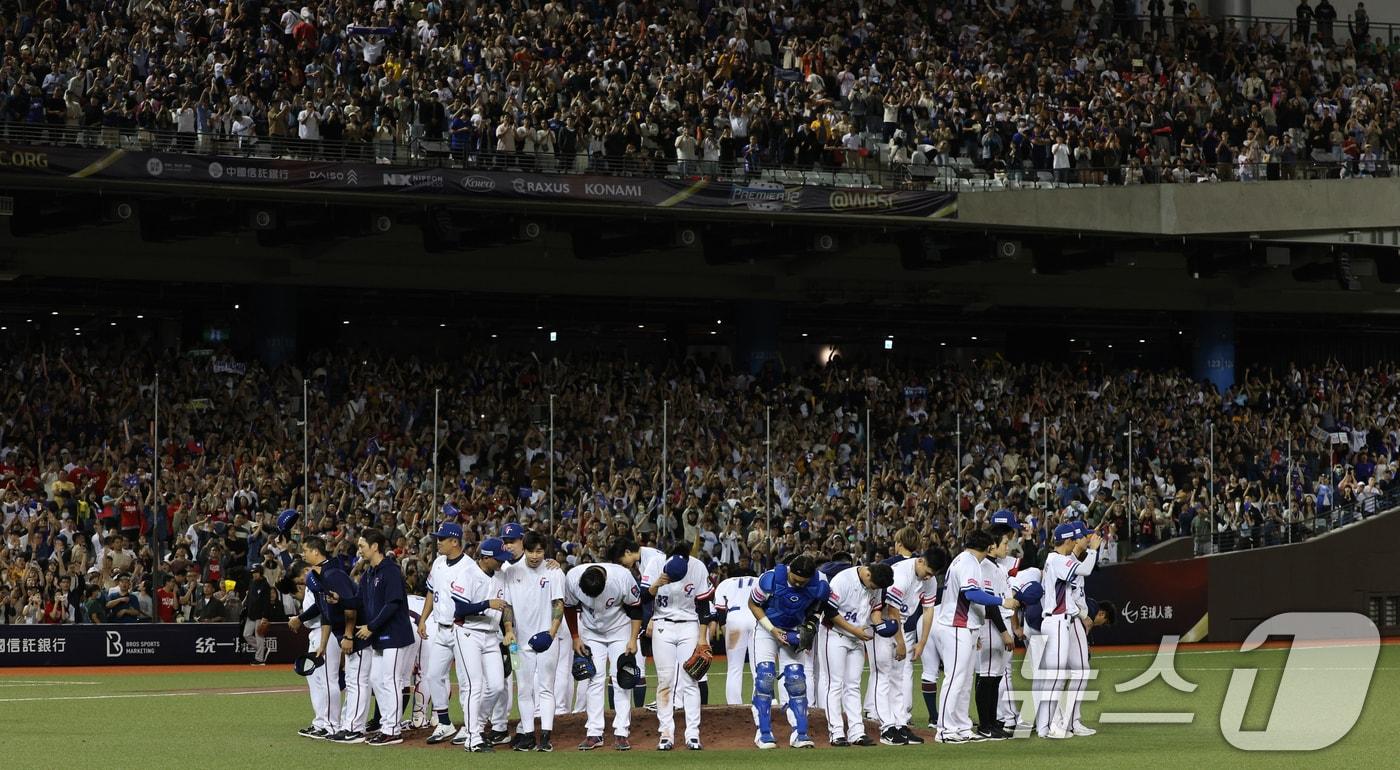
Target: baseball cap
493 548
450 511
1080 529
512 531
448 530
1065 532
1006 517
676 567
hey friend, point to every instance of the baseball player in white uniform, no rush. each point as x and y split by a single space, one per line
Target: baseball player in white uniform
909 600
995 639
318 684
854 608
535 592
960 615
1063 623
1026 583
731 609
1086 549
411 667
609 620
479 670
447 578
681 588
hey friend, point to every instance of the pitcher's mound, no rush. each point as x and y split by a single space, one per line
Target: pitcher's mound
721 727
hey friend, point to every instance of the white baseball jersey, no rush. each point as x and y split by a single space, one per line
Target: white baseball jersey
851 599
1058 580
308 600
443 579
603 616
1022 579
997 573
676 600
650 564
1077 585
475 586
732 597
498 591
908 593
415 607
531 594
957 610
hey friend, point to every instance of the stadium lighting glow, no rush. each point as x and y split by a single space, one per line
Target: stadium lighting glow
713 332
344 323
641 326
1110 347
54 313
804 334
942 344
442 326
113 323
539 328
974 339
493 336
889 344
139 317
554 336
236 306
1142 342
719 322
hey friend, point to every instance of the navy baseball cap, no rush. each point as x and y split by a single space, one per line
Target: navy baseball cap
1080 529
676 567
1006 517
493 548
1065 532
287 519
512 531
448 530
449 510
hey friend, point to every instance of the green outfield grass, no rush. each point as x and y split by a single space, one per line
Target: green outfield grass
247 718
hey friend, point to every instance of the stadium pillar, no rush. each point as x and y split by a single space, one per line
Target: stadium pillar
275 323
1231 7
1215 349
756 340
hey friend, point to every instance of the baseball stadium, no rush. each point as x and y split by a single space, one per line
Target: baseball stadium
443 382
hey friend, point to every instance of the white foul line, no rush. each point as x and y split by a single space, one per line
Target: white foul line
36 682
146 695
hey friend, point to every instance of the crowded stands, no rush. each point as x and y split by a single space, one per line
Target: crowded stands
85 516
898 92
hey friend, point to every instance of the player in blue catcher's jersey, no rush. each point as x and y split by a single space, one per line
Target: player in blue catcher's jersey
785 598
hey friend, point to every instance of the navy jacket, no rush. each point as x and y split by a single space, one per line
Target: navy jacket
334 579
385 601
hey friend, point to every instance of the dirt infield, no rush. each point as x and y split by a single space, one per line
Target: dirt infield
721 727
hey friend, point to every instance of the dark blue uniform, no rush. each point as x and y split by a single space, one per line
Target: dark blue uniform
385 601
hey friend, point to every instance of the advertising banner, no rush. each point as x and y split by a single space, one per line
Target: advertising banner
1154 599
135 644
744 196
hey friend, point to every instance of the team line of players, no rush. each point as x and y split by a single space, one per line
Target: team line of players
801 627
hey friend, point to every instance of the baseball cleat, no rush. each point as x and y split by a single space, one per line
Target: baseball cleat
348 736
441 734
1056 734
523 743
863 740
590 743
988 734
622 744
544 744
372 726
951 738
418 723
693 744
481 748
663 745
891 736
499 737
380 739
840 743
651 707
764 740
460 739
799 741
1082 730
910 737
932 726
308 732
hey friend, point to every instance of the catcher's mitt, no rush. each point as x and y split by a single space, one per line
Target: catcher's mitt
698 664
263 627
807 633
